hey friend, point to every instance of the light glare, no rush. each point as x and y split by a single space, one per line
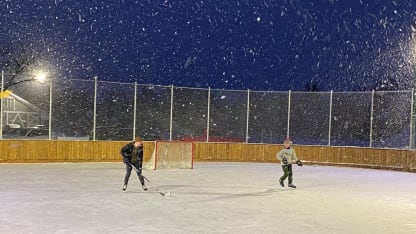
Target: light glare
40 76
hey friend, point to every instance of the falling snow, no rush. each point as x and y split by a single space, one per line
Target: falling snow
340 45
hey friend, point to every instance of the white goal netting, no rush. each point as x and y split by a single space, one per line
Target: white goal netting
171 154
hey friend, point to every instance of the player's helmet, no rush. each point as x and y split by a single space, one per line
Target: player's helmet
287 140
138 139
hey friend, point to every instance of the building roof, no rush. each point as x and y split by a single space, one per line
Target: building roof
10 94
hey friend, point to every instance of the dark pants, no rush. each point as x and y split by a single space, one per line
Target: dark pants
287 172
138 166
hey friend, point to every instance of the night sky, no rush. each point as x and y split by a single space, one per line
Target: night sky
237 44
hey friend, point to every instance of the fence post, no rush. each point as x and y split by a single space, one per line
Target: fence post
95 108
134 109
50 109
412 124
171 112
248 113
208 111
371 118
288 114
1 104
330 119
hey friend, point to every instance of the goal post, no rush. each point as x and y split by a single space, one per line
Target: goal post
171 154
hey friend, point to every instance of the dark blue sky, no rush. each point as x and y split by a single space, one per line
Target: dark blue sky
235 44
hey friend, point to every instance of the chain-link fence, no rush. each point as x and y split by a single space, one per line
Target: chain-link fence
99 110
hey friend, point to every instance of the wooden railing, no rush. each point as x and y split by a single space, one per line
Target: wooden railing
109 151
64 151
394 159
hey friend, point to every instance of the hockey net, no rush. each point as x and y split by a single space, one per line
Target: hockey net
171 154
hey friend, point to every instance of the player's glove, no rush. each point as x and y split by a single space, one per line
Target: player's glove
126 160
299 163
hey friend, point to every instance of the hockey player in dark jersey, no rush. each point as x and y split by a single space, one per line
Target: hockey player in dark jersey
132 154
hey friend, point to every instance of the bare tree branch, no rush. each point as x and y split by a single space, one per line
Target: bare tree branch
13 82
16 61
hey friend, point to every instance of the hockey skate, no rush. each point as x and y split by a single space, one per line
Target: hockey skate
291 185
281 183
124 187
144 187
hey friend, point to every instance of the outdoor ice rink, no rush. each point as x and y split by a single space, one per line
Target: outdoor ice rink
211 198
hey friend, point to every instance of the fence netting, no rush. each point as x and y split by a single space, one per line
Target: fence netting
100 110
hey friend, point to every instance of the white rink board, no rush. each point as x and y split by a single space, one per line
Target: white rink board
211 198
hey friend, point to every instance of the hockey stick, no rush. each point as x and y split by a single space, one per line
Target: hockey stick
137 176
145 178
157 190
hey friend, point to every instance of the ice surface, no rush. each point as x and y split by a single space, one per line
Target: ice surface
212 198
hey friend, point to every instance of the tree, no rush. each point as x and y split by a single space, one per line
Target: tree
388 84
17 60
311 87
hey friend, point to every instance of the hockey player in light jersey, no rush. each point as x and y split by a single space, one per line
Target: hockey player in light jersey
287 157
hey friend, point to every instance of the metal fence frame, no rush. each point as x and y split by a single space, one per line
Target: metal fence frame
247 111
